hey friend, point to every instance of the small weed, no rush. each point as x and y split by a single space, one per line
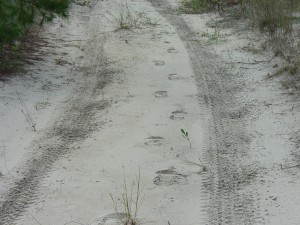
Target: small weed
203 168
131 200
212 37
127 19
185 135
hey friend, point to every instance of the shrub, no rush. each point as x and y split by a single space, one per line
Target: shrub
274 17
17 15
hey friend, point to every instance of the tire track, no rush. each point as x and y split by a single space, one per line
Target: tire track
230 202
74 123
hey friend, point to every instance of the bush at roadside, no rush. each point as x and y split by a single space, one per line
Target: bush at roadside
16 17
272 16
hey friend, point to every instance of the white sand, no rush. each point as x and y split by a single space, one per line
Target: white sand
149 95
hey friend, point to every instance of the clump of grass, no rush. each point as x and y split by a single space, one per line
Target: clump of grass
200 6
128 19
291 68
195 6
131 201
9 58
212 37
274 17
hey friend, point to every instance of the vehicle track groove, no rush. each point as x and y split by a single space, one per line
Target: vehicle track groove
75 121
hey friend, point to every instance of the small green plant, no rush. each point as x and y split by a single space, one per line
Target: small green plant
131 201
185 135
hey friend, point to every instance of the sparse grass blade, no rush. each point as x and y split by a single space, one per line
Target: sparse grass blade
185 135
131 200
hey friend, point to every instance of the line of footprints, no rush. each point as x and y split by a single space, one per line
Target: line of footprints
165 177
169 176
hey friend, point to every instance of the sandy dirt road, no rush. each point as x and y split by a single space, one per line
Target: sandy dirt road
116 102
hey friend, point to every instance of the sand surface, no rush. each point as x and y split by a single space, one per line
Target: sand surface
106 104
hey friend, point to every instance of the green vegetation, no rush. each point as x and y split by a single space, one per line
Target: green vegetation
17 16
200 6
195 6
127 19
185 135
131 201
272 16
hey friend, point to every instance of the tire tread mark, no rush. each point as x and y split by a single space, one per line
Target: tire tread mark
229 202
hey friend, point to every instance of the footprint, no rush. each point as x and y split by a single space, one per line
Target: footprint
111 219
175 76
169 177
161 94
172 50
154 141
167 171
156 36
130 96
178 115
159 62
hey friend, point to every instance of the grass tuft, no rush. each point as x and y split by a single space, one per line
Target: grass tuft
274 17
128 19
195 6
131 200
